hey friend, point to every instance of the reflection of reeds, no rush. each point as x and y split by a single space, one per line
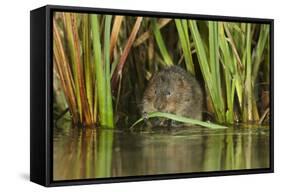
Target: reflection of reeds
104 61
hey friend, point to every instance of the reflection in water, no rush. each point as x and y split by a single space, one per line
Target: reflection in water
90 153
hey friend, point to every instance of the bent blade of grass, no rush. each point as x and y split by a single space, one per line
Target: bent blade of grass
179 119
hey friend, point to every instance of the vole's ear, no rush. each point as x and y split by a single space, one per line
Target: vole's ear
163 78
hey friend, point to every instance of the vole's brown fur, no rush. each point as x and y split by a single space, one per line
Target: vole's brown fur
173 90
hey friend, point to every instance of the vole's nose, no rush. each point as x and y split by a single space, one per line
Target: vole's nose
160 104
161 107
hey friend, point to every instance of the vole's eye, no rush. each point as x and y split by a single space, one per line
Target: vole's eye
168 93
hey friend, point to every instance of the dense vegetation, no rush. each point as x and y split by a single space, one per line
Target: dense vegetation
102 64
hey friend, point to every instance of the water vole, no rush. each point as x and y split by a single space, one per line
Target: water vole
173 90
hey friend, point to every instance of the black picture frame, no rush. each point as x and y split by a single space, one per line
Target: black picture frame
41 95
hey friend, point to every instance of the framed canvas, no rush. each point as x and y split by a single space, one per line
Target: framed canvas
123 95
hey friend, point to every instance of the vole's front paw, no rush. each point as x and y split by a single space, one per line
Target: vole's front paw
146 120
145 116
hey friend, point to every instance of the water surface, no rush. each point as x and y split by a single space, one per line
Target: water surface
90 153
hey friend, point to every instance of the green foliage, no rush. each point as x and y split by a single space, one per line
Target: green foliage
104 62
161 45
